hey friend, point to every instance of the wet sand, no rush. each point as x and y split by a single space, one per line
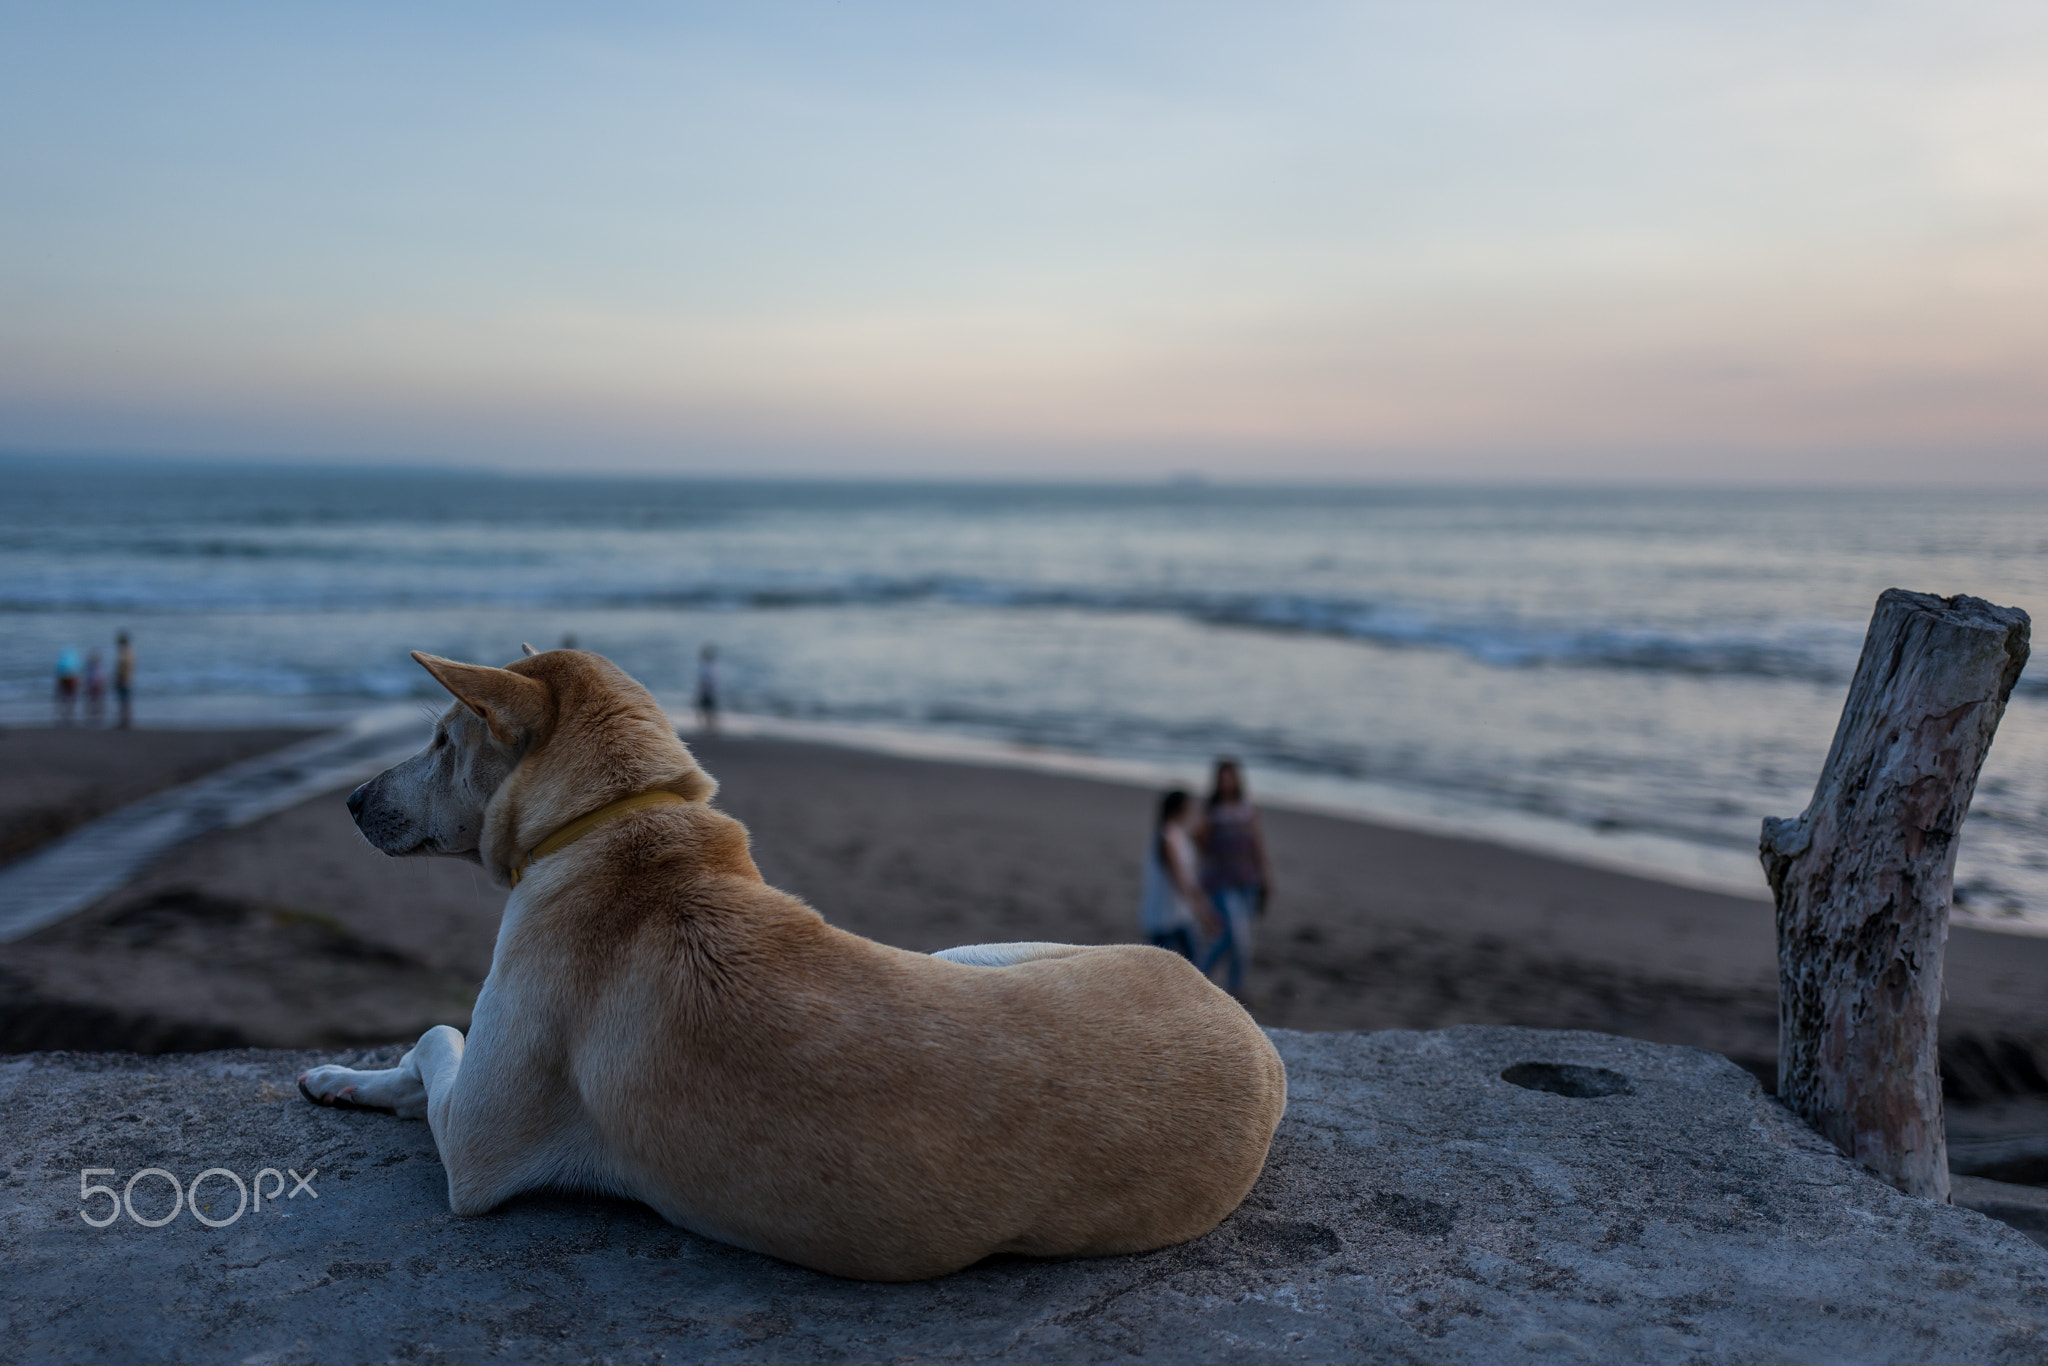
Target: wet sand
292 932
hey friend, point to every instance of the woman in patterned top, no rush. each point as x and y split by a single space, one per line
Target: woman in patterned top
1234 872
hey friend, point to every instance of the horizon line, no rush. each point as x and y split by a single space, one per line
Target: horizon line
385 466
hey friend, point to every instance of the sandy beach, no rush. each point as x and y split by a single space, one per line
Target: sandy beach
292 932
53 780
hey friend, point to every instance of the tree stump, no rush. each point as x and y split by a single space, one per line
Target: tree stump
1863 877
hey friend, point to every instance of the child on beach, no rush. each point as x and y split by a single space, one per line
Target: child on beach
124 679
1234 872
95 688
67 686
707 690
1168 913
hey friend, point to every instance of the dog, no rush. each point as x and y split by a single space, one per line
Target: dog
662 1025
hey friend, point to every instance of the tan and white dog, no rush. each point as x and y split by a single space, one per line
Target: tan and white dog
661 1024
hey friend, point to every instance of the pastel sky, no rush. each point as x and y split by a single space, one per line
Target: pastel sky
1802 239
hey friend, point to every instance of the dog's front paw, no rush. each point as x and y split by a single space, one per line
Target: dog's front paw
340 1087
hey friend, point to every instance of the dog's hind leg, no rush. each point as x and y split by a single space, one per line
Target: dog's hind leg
1006 955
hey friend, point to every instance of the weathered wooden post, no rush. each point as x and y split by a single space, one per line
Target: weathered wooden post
1862 880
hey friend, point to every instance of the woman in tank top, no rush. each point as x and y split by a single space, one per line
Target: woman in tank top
1170 913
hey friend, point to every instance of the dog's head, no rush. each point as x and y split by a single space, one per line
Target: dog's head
525 750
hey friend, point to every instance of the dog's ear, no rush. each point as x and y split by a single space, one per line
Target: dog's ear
512 705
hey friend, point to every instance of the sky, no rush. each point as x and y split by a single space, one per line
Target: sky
1803 240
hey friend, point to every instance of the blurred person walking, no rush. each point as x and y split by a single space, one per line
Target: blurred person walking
67 686
1172 910
95 688
124 679
707 689
1234 872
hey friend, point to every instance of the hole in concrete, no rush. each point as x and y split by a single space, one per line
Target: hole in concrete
1563 1079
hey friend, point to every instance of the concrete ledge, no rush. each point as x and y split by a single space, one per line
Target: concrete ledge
1417 1207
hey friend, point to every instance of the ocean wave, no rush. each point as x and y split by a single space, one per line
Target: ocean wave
1815 651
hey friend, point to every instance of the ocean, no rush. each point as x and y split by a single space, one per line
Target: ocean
1627 677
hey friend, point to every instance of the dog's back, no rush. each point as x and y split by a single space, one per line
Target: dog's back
764 1078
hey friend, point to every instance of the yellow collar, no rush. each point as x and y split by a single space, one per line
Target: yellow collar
583 825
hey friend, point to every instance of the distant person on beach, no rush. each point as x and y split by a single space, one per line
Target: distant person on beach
95 688
1234 872
67 686
707 689
124 679
1171 912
